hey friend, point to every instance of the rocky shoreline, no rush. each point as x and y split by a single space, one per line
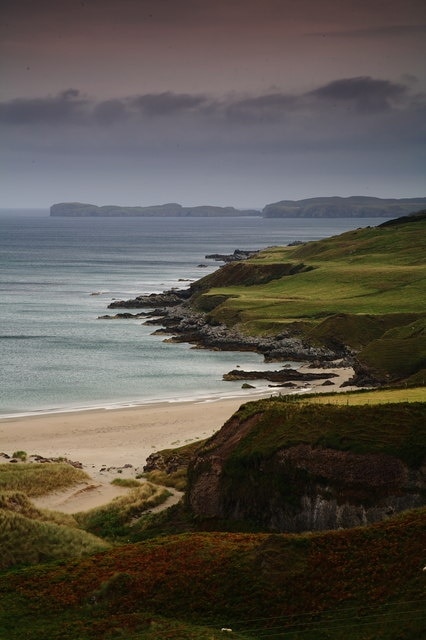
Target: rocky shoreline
179 322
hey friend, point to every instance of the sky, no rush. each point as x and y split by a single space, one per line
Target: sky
225 102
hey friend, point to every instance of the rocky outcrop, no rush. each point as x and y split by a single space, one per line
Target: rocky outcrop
165 299
285 483
238 254
173 312
186 325
283 375
125 316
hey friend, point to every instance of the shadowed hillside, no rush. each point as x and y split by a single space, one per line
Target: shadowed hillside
347 585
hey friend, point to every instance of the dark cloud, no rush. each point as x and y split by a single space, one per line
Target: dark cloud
66 107
167 103
109 111
363 93
70 107
349 113
269 107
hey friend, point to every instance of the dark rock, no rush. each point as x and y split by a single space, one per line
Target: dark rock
165 299
363 377
124 316
239 254
282 375
187 325
289 385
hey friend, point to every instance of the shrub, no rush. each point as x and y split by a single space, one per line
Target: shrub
21 455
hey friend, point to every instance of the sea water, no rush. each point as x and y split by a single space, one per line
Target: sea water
57 355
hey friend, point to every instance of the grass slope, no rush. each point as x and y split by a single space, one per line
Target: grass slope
356 584
396 429
31 536
365 289
38 479
376 271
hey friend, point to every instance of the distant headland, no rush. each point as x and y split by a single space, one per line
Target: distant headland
323 207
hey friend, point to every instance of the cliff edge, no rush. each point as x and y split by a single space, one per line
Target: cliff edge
293 466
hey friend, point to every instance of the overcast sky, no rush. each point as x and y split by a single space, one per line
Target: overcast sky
227 102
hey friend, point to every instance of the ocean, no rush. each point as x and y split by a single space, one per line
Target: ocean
56 354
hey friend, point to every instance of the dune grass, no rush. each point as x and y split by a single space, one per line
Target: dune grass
119 518
129 483
29 535
176 479
25 541
38 479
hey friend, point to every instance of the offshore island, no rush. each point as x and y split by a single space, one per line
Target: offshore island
301 512
323 207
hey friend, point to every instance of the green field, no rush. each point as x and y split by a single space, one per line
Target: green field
363 291
379 271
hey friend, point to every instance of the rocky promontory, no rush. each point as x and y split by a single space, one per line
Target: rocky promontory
181 323
184 324
165 299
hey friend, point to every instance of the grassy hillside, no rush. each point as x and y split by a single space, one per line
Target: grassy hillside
396 429
346 290
349 585
378 271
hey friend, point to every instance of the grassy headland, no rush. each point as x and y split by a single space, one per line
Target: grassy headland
364 290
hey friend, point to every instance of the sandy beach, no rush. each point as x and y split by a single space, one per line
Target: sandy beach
105 440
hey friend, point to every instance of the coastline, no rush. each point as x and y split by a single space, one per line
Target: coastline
116 436
115 442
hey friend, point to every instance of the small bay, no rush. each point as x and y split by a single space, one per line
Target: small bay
57 275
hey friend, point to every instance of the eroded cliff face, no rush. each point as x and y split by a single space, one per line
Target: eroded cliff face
302 487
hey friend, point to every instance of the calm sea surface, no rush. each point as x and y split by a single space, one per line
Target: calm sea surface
55 354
